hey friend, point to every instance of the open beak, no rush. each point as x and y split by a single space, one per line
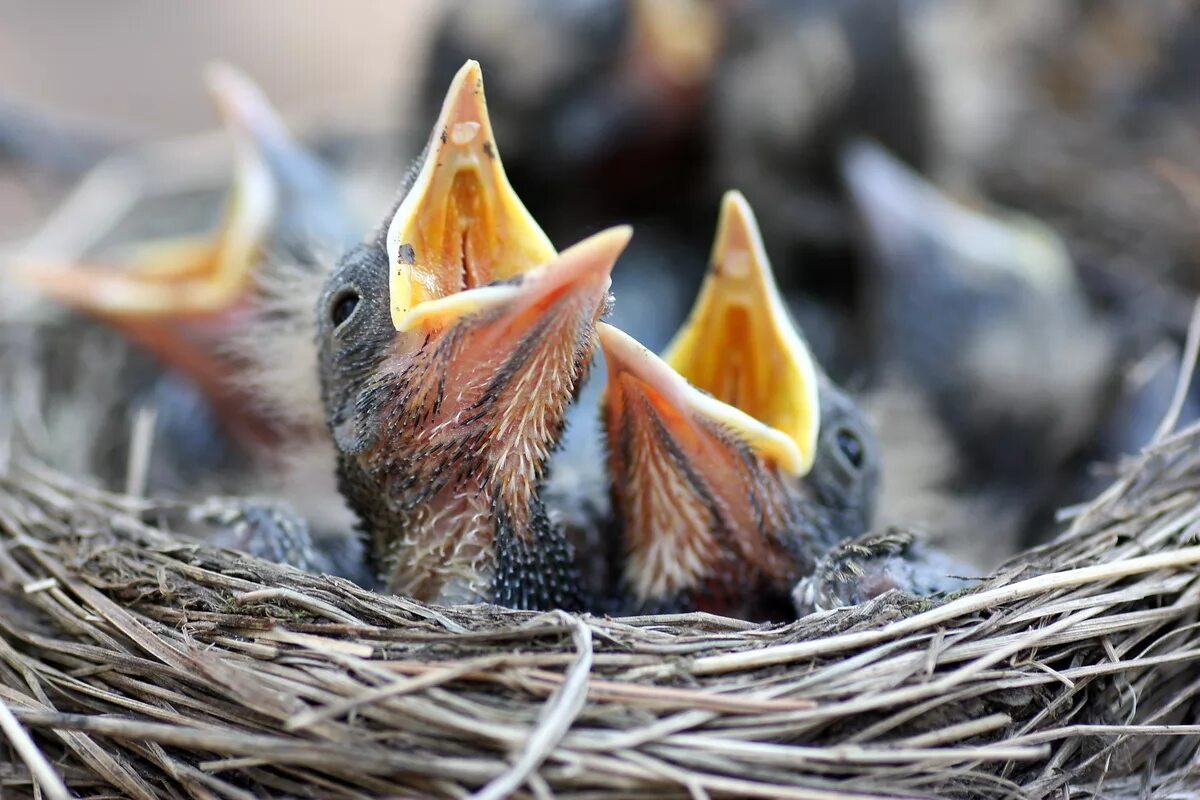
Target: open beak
706 443
709 433
698 504
489 318
740 346
913 226
578 278
190 276
505 363
461 226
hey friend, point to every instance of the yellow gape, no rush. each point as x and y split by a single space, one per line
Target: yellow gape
199 275
740 345
461 226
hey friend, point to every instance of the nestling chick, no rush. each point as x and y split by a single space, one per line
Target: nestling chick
985 316
195 304
735 463
863 568
451 344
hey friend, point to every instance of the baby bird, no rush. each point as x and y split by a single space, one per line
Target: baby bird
450 346
189 302
982 319
735 462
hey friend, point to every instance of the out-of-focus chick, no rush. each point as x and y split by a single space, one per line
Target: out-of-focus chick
194 303
795 81
983 321
735 463
985 316
798 80
596 93
283 203
451 344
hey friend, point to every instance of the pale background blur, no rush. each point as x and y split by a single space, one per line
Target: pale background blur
132 68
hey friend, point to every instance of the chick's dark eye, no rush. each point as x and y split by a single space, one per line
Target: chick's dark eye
851 447
343 306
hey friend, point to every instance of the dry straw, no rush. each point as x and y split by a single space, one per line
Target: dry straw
134 665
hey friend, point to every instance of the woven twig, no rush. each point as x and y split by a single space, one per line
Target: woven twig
143 666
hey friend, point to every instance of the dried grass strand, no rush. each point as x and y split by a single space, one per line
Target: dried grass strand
143 666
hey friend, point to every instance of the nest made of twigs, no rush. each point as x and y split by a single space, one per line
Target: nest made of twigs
135 665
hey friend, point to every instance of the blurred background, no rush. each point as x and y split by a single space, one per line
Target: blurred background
131 72
985 216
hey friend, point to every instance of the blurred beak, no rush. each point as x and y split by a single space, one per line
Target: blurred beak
461 226
740 346
910 225
678 41
191 276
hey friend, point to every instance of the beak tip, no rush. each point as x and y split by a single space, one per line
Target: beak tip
225 83
465 100
624 354
598 253
738 251
240 103
617 238
217 72
609 338
878 182
470 69
734 199
738 224
855 152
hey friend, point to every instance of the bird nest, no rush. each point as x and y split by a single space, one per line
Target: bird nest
135 664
